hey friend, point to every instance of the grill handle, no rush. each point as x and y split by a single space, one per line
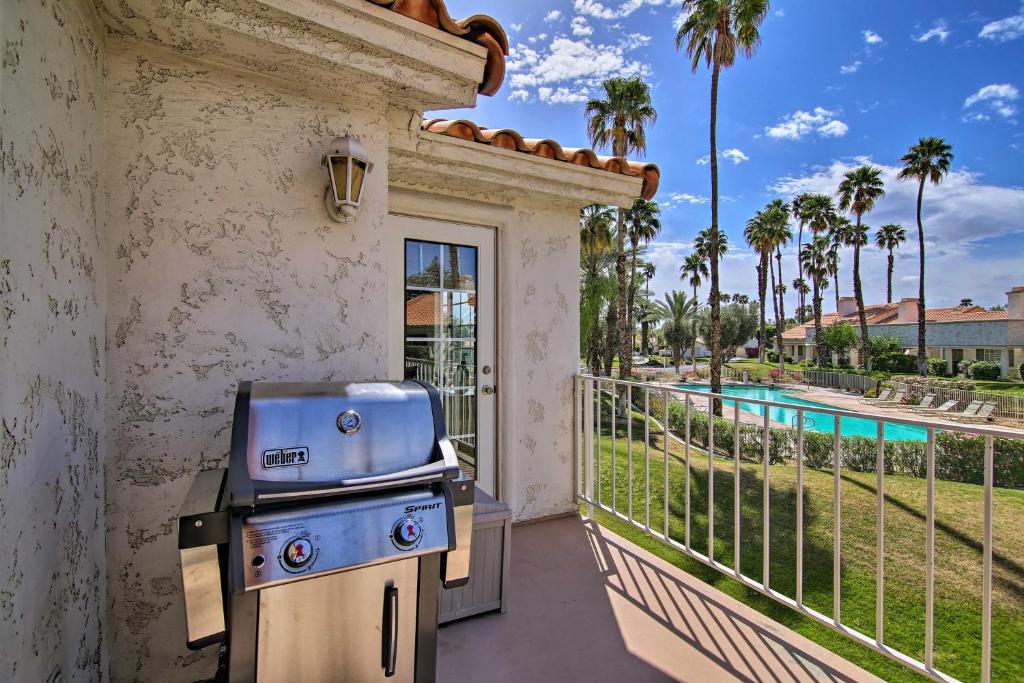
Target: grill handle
389 631
449 465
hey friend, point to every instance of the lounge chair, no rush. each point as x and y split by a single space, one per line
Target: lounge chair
983 413
925 403
883 395
896 400
944 408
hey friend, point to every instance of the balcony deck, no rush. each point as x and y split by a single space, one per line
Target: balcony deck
588 605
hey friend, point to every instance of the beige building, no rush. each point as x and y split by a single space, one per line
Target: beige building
955 334
165 236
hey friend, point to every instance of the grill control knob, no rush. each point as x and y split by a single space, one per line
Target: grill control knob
406 533
297 553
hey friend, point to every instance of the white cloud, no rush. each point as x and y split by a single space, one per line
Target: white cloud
704 160
553 15
1010 28
676 199
833 129
599 10
800 124
850 68
540 38
515 28
780 13
940 31
958 213
999 97
871 38
571 69
580 27
634 41
519 96
735 156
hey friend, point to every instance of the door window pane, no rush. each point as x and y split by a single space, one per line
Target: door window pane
440 334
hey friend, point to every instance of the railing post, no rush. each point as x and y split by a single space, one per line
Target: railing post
799 508
665 440
880 535
986 606
711 478
929 590
736 486
766 495
837 525
588 446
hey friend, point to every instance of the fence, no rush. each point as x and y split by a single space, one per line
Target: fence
757 442
1008 406
844 381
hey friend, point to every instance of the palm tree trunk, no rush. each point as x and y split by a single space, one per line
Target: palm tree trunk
836 283
888 290
800 268
594 348
775 305
922 363
631 300
693 349
716 311
624 346
781 322
611 337
816 303
858 292
762 283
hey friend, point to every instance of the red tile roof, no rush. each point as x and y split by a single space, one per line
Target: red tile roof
506 138
480 29
887 314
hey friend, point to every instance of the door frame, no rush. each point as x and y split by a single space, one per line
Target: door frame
403 226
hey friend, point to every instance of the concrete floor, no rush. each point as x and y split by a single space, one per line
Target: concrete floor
587 605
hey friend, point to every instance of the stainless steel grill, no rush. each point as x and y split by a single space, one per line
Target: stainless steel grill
318 554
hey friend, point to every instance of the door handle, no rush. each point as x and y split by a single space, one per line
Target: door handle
487 390
389 631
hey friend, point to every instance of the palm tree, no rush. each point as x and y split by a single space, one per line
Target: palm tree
858 192
815 261
801 287
890 237
839 233
713 31
929 159
677 311
798 206
618 122
596 235
694 268
756 234
780 235
643 225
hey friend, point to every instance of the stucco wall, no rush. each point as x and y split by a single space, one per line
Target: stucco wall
980 333
52 568
538 348
223 266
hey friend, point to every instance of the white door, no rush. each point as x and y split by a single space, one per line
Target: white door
442 323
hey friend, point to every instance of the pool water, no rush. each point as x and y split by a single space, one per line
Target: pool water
813 421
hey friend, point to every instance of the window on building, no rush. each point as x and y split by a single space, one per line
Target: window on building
992 355
958 355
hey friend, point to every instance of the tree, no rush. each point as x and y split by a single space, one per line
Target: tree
798 205
677 312
618 122
713 31
838 234
694 268
816 264
964 303
647 315
801 287
839 337
596 287
739 325
756 235
643 225
890 237
858 192
929 159
779 234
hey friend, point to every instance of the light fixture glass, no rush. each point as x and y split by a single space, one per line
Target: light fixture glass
347 164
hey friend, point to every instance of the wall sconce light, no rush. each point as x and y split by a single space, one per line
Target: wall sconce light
347 164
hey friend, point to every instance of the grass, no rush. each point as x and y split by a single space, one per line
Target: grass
760 370
1016 388
958 576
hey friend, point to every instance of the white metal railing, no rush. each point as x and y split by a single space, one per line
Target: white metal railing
593 393
1008 406
846 381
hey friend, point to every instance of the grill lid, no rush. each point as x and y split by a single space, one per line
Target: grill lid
294 440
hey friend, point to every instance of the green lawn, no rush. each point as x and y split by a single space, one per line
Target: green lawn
958 552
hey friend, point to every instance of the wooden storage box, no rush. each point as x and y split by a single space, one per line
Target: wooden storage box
487 589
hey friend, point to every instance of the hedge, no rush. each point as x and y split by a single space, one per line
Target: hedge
1020 371
937 367
984 370
958 457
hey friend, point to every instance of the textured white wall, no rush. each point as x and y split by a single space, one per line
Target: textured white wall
52 568
223 266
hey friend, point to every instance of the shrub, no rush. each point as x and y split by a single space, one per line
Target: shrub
896 362
1020 371
772 357
984 370
937 367
964 367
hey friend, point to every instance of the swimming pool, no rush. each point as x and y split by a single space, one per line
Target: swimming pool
813 421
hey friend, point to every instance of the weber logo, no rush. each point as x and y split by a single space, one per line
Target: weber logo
285 457
409 509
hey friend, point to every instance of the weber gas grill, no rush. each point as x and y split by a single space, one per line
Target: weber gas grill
319 554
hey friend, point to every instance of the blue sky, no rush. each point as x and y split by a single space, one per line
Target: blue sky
833 84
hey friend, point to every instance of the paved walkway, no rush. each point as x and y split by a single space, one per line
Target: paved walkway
588 605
